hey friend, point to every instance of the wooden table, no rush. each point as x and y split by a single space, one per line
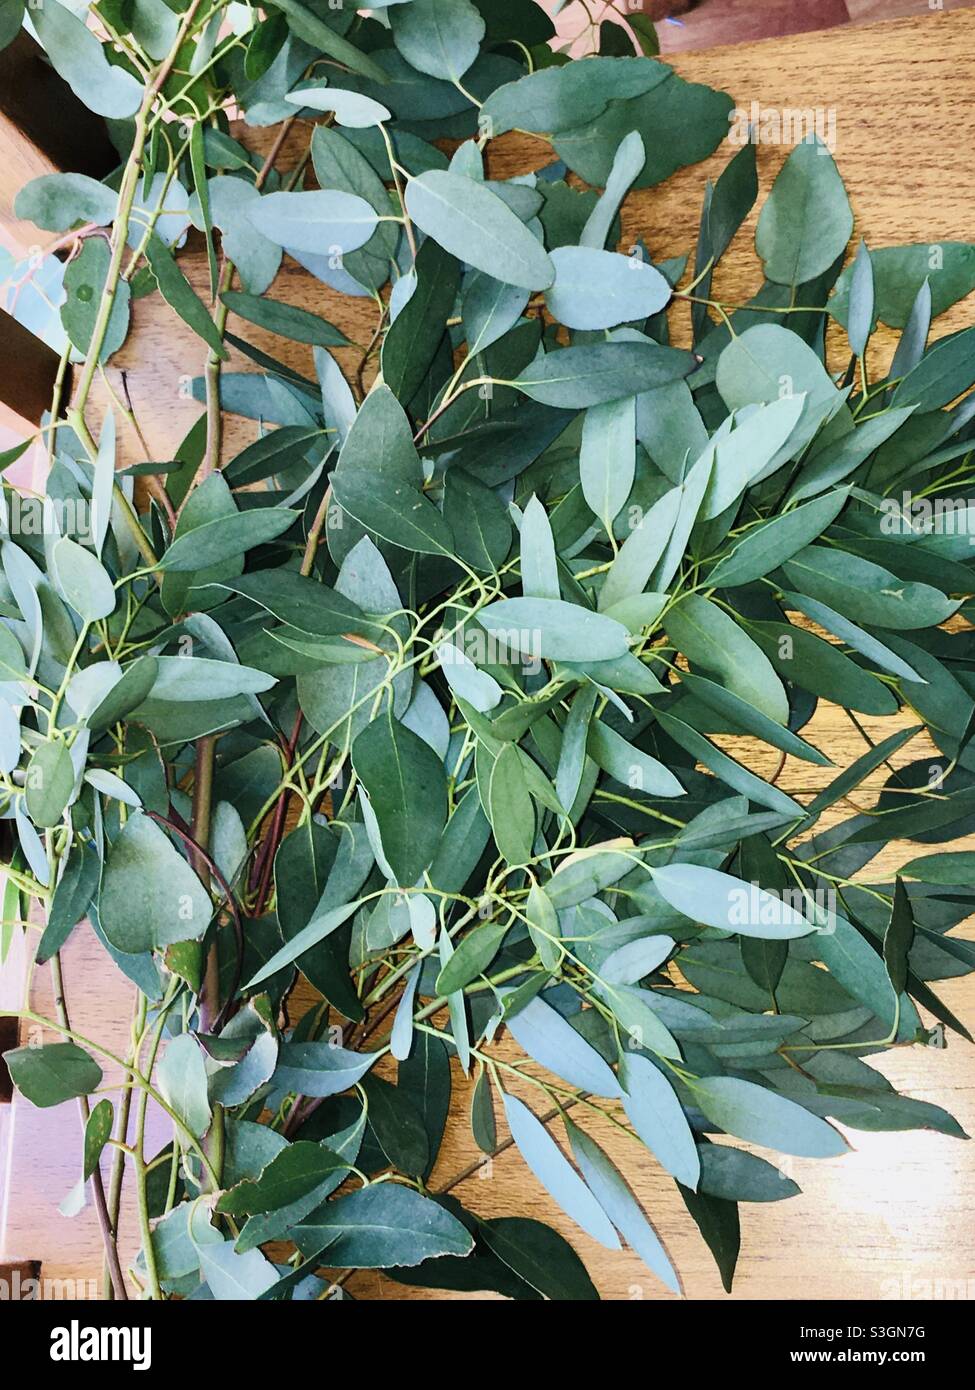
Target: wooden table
893 1218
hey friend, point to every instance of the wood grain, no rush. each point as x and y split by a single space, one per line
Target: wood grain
887 1220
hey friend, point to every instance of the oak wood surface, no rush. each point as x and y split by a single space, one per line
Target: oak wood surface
889 1219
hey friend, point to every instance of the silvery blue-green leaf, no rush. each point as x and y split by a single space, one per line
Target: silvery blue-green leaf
747 452
439 37
860 641
806 220
237 1277
859 323
629 765
59 201
628 164
767 363
225 538
619 1204
555 1173
854 964
103 483
110 785
581 376
656 1114
607 458
85 584
320 1068
9 738
311 221
714 642
49 783
165 203
323 38
78 56
586 872
338 402
691 494
256 257
866 592
30 843
182 678
455 1007
838 459
599 289
423 920
401 1038
723 901
900 274
235 1085
732 773
572 755
425 716
182 1079
539 565
471 222
543 926
478 688
150 897
489 308
762 1116
320 926
764 547
641 551
554 629
349 108
155 26
629 964
550 1040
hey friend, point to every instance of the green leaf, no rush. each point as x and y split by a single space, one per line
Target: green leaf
898 938
712 640
737 1176
600 289
629 765
85 584
806 220
899 272
557 99
472 957
761 1116
84 283
439 37
540 1256
191 678
509 807
181 297
315 220
52 1073
621 1206
320 926
860 313
275 452
98 1131
225 538
655 1113
78 56
416 332
551 1041
764 547
607 460
554 1172
397 1125
72 897
59 201
471 222
300 325
407 789
381 1227
150 897
307 25
50 782
539 566
723 901
234 1277
628 163
578 377
557 631
182 1080
838 459
717 1220
394 511
320 1068
292 1174
348 108
478 520
865 592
